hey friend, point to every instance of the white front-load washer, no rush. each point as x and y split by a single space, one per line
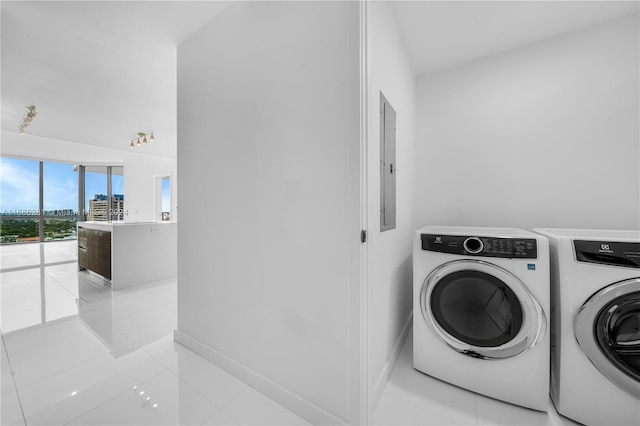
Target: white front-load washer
595 349
480 311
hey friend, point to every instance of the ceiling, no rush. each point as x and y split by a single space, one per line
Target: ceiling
441 34
99 72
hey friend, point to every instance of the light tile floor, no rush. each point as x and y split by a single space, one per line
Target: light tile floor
39 283
414 398
73 352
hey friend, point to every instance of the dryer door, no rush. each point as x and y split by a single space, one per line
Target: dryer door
481 310
607 328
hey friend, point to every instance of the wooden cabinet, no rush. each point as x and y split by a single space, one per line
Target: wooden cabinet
94 251
129 254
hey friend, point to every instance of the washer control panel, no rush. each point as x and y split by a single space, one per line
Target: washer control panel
608 253
520 248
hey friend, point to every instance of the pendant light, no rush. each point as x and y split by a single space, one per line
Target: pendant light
28 118
141 139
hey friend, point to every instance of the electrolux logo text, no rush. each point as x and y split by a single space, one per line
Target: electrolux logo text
605 248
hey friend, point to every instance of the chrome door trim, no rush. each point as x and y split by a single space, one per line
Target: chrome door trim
584 324
534 323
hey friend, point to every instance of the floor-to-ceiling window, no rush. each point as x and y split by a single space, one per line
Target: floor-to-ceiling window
95 193
19 197
103 193
43 200
117 193
38 200
60 201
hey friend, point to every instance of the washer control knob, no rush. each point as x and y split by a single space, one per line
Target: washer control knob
473 245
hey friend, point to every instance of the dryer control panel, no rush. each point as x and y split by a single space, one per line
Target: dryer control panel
510 248
608 253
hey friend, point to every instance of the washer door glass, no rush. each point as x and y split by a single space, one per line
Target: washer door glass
608 331
481 310
477 308
618 333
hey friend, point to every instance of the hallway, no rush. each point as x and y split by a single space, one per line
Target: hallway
74 352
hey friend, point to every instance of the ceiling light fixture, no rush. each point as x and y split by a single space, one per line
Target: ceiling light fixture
142 139
28 118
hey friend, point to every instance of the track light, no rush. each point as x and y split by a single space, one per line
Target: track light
28 118
141 139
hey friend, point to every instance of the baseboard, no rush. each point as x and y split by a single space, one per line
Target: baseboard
302 407
383 378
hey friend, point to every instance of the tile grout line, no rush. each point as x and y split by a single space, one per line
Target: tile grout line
111 399
220 408
101 402
13 378
153 356
77 296
39 265
38 326
63 370
212 416
195 390
236 397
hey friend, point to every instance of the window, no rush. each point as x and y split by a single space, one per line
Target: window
60 195
20 189
117 193
166 199
43 200
103 193
163 197
95 193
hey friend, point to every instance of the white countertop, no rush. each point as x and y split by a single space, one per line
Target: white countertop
108 226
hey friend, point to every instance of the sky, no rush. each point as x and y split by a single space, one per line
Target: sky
166 195
19 185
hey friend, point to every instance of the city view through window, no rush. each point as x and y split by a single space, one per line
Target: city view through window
39 200
166 199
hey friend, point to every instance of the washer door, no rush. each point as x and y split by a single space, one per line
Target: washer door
607 328
481 310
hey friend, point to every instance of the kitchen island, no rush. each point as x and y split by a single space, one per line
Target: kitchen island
127 254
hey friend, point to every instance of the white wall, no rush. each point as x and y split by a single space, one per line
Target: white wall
268 241
542 136
389 252
139 169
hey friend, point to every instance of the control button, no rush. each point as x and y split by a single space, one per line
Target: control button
473 245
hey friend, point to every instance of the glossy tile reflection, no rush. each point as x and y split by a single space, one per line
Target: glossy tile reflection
109 358
162 399
74 352
414 398
39 283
